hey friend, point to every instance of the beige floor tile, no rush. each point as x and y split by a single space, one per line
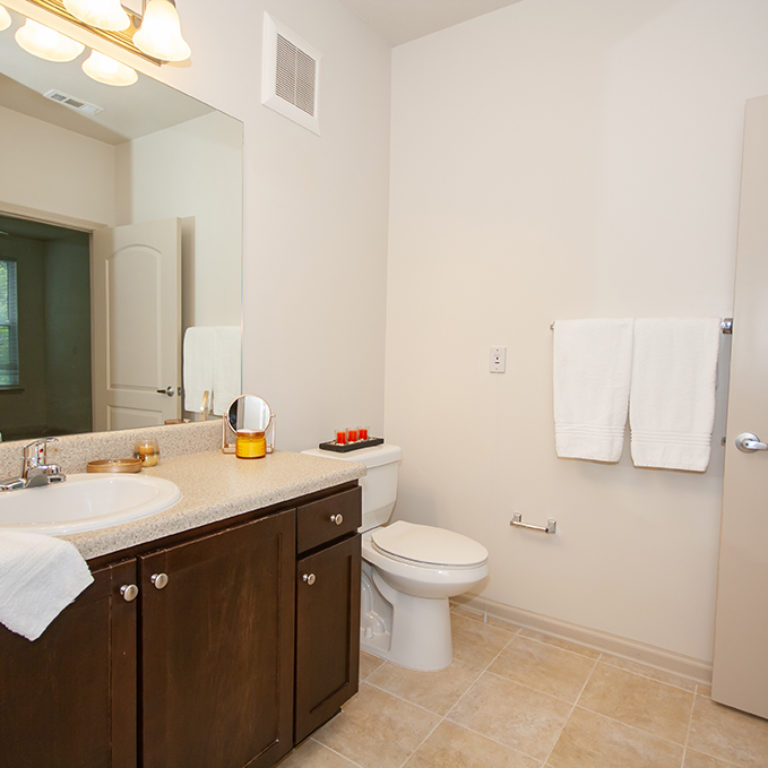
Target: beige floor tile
697 760
637 701
376 729
704 690
592 741
311 754
451 746
646 671
558 642
368 663
436 691
523 719
476 643
543 667
728 734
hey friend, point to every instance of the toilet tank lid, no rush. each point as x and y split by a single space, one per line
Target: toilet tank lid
376 456
430 545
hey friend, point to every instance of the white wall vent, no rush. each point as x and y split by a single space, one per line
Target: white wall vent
290 75
73 103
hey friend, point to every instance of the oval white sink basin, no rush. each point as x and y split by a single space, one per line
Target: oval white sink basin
86 502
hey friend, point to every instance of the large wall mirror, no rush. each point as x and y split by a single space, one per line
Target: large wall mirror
82 159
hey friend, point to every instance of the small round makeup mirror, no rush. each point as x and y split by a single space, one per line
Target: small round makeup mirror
249 413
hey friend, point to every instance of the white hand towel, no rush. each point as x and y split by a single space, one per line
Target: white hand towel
592 365
672 403
39 577
226 367
199 347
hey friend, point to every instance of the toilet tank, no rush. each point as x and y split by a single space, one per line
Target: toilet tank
380 482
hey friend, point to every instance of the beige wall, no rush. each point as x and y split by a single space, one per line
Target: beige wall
51 169
193 171
559 160
315 212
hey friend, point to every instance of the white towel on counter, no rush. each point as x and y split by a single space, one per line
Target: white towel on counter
226 367
672 402
592 366
197 366
39 577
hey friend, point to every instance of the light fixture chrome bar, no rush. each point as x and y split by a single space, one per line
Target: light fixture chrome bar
123 38
550 527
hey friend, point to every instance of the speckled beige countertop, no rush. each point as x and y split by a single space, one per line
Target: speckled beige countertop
216 486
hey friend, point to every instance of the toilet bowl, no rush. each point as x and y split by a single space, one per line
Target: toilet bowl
409 571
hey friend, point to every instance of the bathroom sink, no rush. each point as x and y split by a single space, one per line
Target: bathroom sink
86 502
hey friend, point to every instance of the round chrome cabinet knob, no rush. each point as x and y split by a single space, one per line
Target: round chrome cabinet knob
159 580
309 578
129 592
338 519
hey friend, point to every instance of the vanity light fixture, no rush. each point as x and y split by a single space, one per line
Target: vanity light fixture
104 14
160 33
155 35
46 43
5 19
107 70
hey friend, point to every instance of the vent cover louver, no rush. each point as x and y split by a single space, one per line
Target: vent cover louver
73 103
290 73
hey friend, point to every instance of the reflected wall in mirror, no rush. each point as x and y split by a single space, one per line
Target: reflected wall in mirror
149 153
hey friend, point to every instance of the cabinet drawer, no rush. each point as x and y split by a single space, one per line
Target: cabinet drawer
318 522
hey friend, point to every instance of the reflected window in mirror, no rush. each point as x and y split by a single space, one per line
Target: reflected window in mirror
9 348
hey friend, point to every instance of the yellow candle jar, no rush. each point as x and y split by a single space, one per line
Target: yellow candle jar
250 445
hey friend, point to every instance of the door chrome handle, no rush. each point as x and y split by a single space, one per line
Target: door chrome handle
129 592
748 443
167 391
309 578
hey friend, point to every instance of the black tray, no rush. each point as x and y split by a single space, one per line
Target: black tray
346 447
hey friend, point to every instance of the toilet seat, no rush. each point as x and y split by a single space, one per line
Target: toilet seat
428 546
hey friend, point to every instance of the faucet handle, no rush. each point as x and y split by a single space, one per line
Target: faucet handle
36 449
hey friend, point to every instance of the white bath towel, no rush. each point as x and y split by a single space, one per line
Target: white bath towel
592 365
226 367
672 402
39 577
199 347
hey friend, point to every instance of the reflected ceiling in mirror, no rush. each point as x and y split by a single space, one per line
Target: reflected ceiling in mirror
148 153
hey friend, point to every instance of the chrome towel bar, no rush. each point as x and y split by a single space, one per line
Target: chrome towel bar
726 325
550 527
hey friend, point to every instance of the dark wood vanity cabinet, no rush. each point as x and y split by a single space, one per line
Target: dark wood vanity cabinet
69 698
216 640
327 608
199 669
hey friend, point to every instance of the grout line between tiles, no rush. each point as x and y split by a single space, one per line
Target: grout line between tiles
688 730
608 662
573 707
455 704
339 754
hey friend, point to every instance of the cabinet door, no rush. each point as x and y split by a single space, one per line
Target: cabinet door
217 648
327 633
68 699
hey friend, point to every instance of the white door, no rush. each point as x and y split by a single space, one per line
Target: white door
136 321
740 670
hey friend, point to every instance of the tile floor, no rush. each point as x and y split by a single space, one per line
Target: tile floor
513 698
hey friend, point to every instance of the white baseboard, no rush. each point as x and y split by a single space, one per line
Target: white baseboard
698 670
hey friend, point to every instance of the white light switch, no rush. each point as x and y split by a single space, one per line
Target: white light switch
498 361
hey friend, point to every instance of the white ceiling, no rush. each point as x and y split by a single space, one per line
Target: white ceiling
399 21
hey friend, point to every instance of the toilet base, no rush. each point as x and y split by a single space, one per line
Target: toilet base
413 632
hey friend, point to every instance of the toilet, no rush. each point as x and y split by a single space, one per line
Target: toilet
409 571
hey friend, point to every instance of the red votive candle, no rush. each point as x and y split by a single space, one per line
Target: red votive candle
352 435
363 433
341 437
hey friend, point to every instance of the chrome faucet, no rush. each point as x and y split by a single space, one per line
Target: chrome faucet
35 471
